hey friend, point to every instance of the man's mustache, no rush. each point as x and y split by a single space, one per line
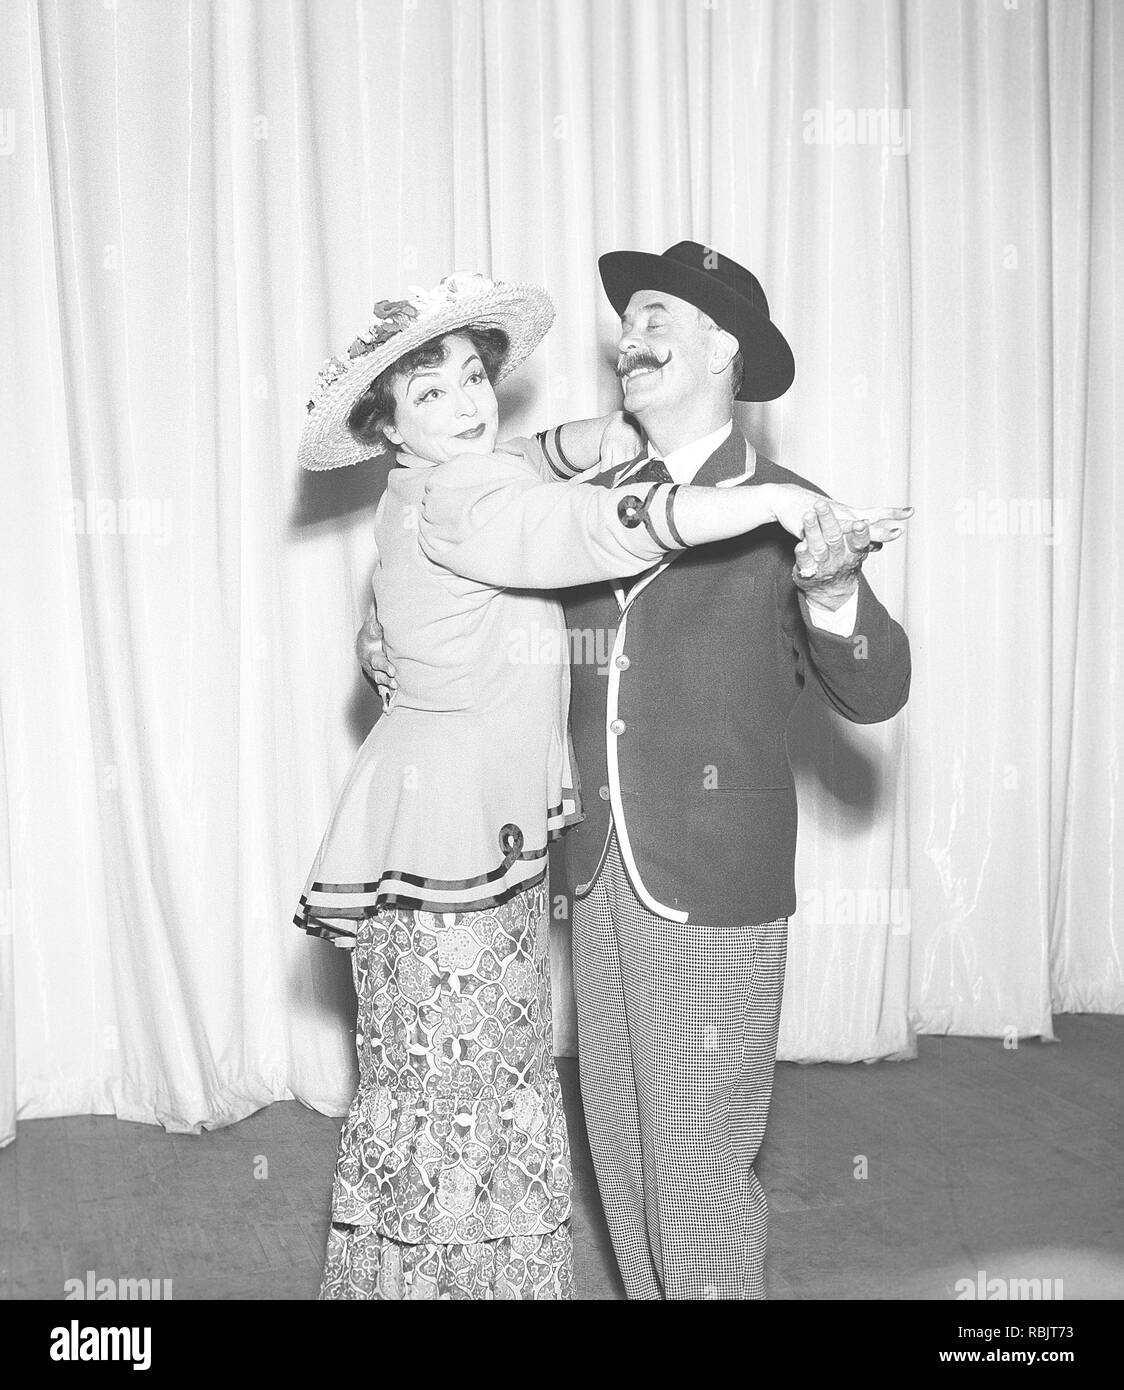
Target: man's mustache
643 357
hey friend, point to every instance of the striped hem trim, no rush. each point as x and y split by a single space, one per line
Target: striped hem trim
519 869
432 885
329 931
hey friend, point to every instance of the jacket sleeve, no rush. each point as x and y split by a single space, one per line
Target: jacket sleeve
489 518
864 677
544 454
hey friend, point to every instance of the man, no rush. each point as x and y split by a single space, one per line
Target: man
683 867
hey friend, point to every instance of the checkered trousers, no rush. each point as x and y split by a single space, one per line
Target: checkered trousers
677 1041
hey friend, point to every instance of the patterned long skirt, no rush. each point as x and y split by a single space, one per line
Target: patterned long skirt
453 1176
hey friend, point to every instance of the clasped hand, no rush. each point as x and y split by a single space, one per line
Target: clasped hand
833 540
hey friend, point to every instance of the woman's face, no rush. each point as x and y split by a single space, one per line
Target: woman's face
448 409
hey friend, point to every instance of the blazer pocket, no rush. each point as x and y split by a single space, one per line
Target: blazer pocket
780 787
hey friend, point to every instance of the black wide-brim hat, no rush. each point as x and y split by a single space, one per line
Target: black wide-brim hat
729 293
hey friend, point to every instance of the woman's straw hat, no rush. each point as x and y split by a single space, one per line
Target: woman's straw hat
524 312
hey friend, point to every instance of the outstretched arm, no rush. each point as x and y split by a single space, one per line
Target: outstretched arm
490 519
865 675
855 655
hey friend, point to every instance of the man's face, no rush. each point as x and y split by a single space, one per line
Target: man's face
664 351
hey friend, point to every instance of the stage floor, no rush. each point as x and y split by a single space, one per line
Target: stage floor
980 1164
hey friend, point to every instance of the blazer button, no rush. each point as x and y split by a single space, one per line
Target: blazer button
622 662
603 793
616 726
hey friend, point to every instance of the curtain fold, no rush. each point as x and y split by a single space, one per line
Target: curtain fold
7 969
202 199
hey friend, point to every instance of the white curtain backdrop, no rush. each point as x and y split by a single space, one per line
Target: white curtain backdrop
202 198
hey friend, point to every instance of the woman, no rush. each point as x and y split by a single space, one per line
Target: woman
453 1175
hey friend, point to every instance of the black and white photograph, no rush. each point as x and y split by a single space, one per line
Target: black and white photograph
562 691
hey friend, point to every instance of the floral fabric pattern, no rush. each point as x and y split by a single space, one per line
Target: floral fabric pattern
362 1264
457 1135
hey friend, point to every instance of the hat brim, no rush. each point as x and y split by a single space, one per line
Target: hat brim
767 357
524 312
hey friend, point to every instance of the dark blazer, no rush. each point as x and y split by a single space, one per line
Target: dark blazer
698 691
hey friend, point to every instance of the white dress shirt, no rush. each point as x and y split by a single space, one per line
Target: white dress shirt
685 462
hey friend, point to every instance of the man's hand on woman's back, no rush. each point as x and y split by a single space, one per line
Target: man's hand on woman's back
376 665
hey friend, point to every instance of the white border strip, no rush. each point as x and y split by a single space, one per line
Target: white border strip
617 806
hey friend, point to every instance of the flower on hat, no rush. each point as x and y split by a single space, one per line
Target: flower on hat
390 317
329 374
461 284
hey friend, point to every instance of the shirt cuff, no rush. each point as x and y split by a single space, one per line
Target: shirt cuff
841 620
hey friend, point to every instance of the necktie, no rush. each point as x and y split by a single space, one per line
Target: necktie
654 471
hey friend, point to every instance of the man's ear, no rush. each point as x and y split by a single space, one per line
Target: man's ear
725 349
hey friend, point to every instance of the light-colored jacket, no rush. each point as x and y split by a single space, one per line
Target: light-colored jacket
454 795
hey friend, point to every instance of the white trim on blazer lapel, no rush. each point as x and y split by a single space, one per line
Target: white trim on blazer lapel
748 471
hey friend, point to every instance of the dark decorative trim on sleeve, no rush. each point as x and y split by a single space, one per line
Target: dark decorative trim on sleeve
647 518
632 511
566 471
669 517
561 452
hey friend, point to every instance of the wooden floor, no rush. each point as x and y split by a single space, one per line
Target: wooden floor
977 1159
